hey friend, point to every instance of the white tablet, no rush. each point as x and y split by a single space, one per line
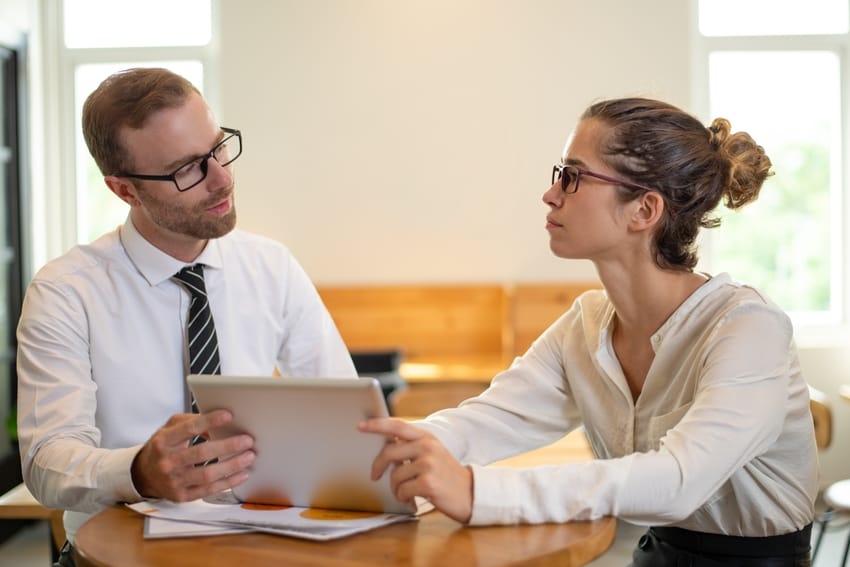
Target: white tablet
309 451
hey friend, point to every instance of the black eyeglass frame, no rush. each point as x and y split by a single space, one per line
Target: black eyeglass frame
558 173
204 163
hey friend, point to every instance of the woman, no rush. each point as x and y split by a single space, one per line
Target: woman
688 385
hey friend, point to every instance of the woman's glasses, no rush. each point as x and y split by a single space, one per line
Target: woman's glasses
570 175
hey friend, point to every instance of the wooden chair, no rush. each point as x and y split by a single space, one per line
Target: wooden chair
425 398
822 416
837 495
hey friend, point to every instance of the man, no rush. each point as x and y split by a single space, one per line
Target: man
102 357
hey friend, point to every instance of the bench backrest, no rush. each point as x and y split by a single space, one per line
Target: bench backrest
536 306
423 321
444 321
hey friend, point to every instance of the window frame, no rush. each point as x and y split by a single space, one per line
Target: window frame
834 327
59 205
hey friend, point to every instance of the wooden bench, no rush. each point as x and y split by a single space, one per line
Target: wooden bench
425 321
443 331
427 397
536 306
448 332
20 504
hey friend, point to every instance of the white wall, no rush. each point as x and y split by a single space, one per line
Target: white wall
411 140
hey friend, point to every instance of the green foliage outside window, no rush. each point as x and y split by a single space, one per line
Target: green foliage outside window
787 251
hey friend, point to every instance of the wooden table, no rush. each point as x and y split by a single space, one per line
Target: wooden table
19 504
477 369
114 538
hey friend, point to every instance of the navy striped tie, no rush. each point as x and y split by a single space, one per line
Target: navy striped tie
200 328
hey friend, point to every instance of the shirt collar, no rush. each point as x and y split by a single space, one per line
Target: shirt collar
688 306
670 325
155 265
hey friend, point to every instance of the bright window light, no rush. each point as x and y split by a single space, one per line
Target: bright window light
786 243
131 23
772 17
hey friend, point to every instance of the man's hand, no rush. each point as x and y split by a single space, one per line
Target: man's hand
421 466
166 466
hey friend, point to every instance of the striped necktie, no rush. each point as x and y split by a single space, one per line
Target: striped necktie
200 329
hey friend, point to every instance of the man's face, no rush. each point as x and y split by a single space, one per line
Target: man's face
170 139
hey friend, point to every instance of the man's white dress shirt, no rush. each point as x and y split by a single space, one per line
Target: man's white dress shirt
102 354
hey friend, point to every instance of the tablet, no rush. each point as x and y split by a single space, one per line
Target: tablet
309 451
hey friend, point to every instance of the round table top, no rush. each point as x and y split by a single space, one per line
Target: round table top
114 537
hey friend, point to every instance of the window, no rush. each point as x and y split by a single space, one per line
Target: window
95 43
775 68
97 23
98 210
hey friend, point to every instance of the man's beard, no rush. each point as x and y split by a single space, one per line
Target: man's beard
195 221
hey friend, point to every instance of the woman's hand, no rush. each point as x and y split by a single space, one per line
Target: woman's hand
421 466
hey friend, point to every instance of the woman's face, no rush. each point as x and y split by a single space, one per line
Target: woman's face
590 223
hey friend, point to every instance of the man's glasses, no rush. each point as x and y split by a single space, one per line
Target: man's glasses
193 172
570 176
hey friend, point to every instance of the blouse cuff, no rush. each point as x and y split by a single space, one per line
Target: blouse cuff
495 498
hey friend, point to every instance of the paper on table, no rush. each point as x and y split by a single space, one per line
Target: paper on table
308 523
157 528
